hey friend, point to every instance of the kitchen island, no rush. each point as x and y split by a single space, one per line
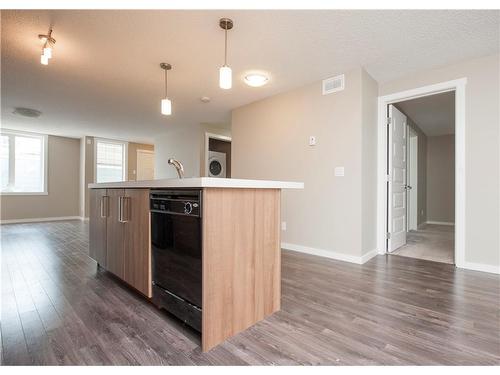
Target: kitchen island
205 249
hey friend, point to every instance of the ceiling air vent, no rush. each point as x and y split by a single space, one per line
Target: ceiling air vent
334 84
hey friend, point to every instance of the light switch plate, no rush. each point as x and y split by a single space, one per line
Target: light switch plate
312 140
339 172
283 225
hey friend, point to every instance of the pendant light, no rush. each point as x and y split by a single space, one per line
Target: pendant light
225 73
166 104
47 47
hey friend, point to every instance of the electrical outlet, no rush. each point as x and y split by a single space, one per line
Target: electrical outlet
283 225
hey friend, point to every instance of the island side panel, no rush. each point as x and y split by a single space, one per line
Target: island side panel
241 260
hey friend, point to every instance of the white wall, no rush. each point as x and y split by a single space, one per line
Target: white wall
482 144
270 141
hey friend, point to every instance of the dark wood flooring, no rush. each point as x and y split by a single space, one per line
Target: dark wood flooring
57 308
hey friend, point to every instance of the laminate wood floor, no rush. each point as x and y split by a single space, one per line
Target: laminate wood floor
57 308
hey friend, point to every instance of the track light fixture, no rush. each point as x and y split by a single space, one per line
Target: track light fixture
166 104
48 44
225 72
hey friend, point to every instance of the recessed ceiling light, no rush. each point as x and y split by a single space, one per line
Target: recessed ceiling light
256 80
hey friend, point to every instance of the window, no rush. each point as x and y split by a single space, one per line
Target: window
23 163
110 161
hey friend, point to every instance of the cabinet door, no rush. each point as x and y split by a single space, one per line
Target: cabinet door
137 240
99 205
115 232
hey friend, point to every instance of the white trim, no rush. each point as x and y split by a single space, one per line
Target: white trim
440 222
209 135
383 101
144 151
24 193
369 255
330 253
481 267
40 219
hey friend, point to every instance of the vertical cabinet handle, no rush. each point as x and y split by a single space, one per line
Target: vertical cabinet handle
123 209
104 206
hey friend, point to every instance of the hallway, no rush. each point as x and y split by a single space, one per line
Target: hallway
430 242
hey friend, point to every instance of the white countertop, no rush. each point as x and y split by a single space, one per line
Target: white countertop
201 182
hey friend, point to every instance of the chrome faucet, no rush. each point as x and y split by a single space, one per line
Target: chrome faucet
178 166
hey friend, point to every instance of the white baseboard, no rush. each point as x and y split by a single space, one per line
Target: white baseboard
369 255
479 267
40 219
329 253
440 222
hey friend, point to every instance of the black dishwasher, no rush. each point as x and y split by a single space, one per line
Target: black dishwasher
176 253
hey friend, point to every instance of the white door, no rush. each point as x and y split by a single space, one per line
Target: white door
145 165
412 180
397 179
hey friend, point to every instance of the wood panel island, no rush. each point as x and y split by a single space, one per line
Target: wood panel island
205 249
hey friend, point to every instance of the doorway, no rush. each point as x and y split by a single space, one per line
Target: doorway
145 165
399 168
429 235
217 156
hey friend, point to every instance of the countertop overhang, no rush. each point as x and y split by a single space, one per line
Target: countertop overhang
201 182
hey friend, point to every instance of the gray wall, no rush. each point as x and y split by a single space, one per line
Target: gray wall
63 177
332 215
482 162
188 146
441 178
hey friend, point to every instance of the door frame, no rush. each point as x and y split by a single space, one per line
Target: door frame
458 86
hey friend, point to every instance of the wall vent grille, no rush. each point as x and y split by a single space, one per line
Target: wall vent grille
333 84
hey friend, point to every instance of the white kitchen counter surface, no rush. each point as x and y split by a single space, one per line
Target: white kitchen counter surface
201 182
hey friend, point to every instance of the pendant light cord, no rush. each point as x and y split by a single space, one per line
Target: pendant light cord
166 83
225 46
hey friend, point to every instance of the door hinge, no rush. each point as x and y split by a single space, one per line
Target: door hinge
388 236
389 121
388 178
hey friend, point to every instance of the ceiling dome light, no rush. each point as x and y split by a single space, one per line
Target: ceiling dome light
256 80
27 112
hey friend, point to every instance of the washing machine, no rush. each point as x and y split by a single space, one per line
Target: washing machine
216 164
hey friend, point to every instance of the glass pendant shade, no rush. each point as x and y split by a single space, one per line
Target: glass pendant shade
44 60
47 51
225 77
166 107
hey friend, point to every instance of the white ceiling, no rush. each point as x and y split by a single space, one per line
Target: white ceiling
104 78
434 114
